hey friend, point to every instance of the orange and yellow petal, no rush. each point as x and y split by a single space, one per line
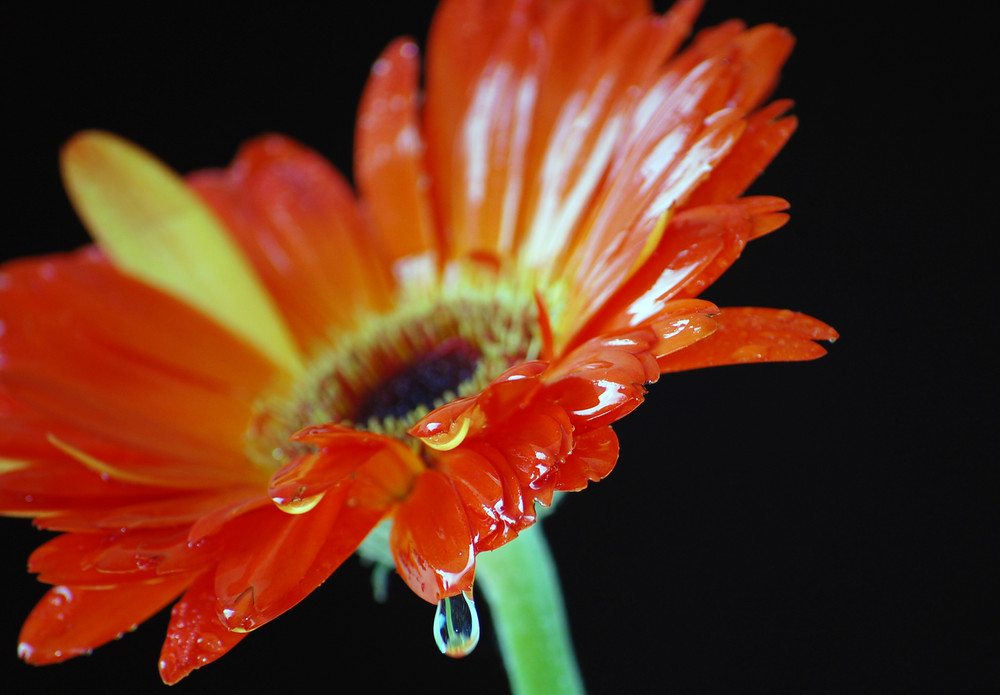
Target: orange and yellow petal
298 222
155 229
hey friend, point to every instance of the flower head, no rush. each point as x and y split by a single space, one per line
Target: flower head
253 368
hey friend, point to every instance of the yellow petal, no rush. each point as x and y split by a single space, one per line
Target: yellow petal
155 229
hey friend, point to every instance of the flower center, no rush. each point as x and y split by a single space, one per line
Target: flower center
394 369
426 380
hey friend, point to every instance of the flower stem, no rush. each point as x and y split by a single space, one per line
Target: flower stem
522 589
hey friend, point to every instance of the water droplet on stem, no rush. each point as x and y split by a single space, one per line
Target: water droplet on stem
456 625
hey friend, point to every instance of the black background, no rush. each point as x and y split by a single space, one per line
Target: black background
809 528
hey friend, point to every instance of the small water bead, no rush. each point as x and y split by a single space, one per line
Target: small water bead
456 625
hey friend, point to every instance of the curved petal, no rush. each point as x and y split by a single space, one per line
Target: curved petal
196 636
70 621
176 509
431 540
661 175
280 558
593 457
68 559
753 334
480 489
297 483
111 558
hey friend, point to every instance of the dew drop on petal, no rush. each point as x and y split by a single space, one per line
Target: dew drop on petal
456 625
209 642
297 505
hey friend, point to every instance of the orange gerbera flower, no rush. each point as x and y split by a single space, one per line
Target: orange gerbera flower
252 368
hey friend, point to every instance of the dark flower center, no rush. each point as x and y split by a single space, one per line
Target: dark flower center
421 382
395 369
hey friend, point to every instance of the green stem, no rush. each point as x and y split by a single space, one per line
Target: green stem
522 589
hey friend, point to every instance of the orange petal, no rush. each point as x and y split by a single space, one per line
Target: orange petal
69 559
215 522
685 126
195 636
764 137
116 360
535 441
517 510
313 474
753 334
389 155
431 540
384 464
479 488
593 457
278 559
602 380
164 550
734 225
697 247
70 621
175 510
757 57
503 396
103 560
59 484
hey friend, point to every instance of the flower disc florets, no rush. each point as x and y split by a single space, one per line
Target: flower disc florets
394 369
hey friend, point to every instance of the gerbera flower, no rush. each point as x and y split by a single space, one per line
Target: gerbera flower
252 370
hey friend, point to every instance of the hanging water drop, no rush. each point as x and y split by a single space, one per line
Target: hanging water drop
456 625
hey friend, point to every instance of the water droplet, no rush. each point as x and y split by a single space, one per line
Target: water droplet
297 504
451 438
456 625
209 642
